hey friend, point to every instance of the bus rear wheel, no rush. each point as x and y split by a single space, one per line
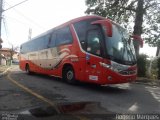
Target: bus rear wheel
28 69
68 75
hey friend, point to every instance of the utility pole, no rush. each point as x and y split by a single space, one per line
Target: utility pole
1 10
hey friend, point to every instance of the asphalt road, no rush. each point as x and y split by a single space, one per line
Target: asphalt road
23 93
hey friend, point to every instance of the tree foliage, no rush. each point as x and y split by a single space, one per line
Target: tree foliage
141 63
129 12
116 10
152 21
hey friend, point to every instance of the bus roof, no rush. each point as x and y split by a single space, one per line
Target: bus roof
68 23
72 22
79 19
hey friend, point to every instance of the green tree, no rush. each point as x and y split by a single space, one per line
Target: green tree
143 13
142 62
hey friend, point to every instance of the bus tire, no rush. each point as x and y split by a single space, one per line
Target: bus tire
69 75
28 69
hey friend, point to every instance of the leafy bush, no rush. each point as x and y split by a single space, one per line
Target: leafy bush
141 63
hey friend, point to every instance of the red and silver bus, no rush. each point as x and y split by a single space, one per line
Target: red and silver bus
88 49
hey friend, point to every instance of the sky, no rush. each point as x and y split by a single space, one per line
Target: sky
40 16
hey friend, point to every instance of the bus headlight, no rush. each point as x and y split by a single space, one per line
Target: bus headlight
116 67
110 67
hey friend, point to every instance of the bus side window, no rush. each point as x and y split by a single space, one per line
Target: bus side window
83 44
93 42
52 40
81 29
64 36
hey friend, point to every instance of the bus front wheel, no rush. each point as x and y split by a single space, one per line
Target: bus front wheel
68 75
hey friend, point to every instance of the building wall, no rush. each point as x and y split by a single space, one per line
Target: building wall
7 54
3 61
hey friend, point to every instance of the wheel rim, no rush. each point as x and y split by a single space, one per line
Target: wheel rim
70 75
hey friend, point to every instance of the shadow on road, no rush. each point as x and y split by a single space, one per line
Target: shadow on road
121 98
115 89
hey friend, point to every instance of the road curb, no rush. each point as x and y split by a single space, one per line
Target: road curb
149 82
5 72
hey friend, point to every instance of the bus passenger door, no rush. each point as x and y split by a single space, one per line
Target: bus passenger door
94 57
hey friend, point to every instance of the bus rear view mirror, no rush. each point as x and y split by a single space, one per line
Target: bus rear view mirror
138 38
107 25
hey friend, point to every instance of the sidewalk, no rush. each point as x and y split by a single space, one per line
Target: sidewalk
4 69
148 81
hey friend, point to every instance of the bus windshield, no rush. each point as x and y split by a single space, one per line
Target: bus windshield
119 47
